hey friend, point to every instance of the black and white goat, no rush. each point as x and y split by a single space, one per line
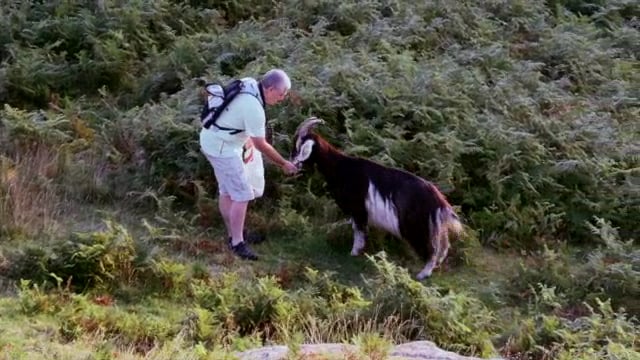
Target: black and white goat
391 199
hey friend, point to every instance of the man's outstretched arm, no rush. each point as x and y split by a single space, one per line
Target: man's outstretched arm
272 154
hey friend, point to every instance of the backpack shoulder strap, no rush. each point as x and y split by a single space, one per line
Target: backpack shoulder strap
230 91
254 88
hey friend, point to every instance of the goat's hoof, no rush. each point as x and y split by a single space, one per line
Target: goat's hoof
355 252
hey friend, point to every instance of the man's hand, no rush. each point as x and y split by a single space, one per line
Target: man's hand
265 148
247 151
289 168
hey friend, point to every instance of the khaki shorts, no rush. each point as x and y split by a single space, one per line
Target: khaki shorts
232 177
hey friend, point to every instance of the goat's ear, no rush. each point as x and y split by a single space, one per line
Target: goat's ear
304 151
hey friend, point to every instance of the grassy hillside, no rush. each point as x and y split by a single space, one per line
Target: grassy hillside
525 113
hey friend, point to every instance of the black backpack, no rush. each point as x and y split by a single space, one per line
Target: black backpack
217 100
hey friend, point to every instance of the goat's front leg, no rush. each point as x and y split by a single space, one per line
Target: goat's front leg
359 236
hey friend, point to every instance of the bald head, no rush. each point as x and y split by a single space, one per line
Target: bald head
275 84
276 78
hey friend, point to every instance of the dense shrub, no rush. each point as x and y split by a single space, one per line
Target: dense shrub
601 333
109 260
99 259
612 271
324 310
521 117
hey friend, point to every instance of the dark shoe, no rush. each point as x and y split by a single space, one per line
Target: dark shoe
243 251
250 237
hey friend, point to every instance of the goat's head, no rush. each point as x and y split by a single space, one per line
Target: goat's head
304 141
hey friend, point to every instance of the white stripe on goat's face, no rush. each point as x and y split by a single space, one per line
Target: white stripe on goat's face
382 211
302 152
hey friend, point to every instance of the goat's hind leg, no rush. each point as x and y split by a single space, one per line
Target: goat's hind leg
435 254
444 246
428 269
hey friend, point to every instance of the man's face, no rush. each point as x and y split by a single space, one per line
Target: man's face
274 95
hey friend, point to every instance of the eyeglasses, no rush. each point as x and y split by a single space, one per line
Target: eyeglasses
283 92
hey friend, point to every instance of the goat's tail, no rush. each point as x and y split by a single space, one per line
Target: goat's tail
444 222
448 221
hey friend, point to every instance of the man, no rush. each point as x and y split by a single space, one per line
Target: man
245 116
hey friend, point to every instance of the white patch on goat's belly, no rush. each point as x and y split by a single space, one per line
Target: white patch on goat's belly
382 212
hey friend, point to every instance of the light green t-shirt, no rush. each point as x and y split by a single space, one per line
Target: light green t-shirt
245 112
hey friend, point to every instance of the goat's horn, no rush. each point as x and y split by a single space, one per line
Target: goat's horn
307 125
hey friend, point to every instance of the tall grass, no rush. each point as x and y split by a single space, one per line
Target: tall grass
29 202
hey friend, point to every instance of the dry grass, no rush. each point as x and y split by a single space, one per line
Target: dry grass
29 202
337 329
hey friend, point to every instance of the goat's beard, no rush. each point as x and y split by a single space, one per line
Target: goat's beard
304 167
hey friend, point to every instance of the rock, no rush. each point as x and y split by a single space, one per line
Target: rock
417 350
425 350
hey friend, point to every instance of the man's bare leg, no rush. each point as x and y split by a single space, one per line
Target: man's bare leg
224 204
237 214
